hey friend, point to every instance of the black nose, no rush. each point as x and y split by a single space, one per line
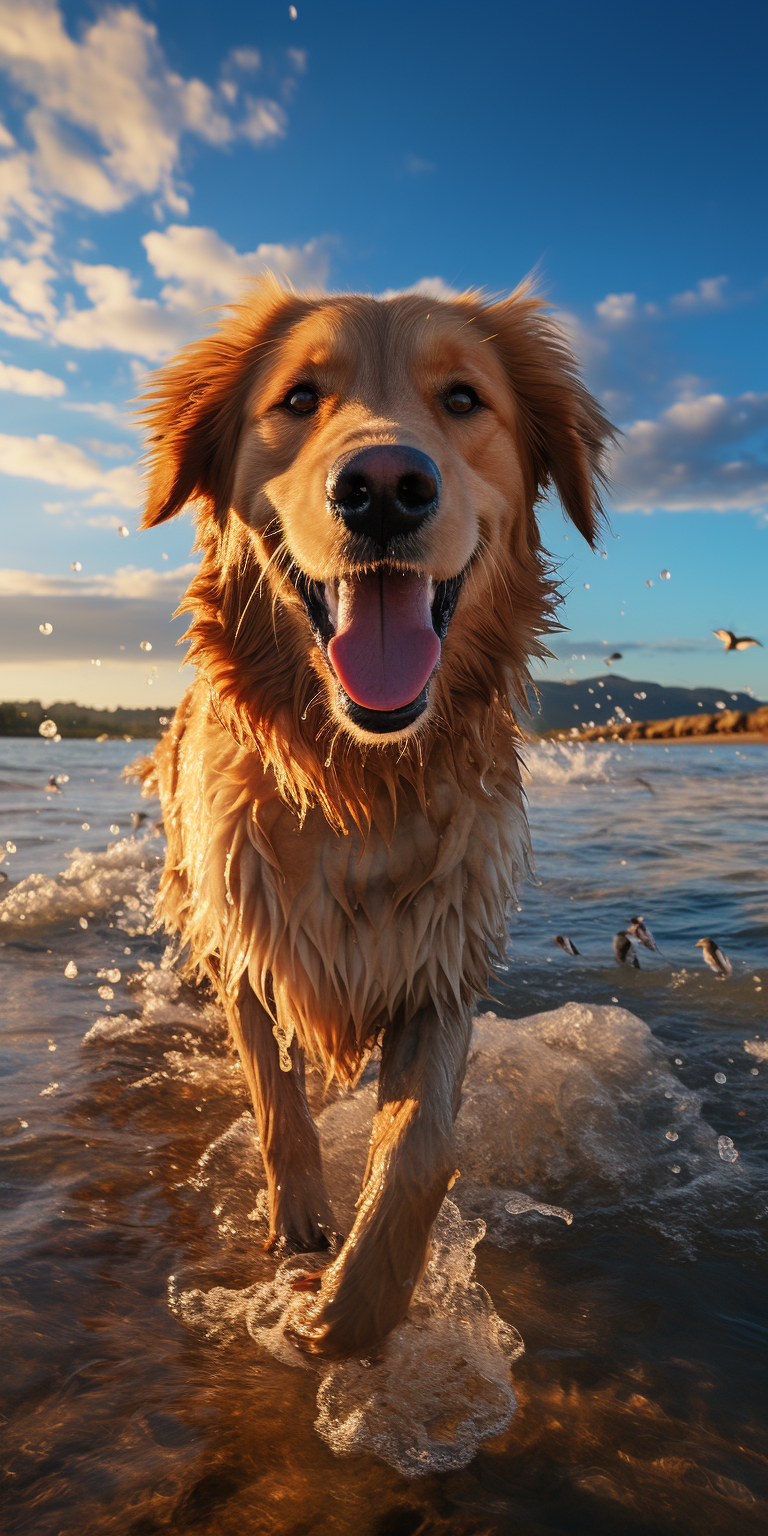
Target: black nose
384 492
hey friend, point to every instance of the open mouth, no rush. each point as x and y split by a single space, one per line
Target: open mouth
381 631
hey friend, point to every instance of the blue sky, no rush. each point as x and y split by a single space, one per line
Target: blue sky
153 157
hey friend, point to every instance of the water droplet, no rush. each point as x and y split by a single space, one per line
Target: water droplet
649 583
754 1072
678 1061
86 826
145 645
47 728
726 1149
83 921
675 1167
122 532
586 586
76 565
45 629
667 1095
10 847
106 993
720 1077
671 1135
70 970
114 827
665 575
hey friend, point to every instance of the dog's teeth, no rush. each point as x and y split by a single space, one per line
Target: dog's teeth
331 601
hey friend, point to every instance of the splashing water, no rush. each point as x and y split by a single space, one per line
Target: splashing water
442 1384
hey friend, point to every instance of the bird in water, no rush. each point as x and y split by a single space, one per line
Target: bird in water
716 960
734 642
639 930
615 656
567 944
623 950
52 787
137 817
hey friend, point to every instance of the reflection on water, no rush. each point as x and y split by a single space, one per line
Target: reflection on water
133 1181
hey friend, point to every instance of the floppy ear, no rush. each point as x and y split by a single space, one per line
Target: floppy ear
195 406
566 432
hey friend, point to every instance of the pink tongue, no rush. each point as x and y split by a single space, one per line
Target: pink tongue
384 649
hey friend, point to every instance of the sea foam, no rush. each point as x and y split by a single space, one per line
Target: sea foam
568 1106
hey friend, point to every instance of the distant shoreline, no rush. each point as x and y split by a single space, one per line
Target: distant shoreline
721 738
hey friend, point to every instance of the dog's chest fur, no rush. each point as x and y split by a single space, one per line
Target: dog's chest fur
338 933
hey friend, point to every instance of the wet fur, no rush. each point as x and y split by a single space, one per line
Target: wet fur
340 890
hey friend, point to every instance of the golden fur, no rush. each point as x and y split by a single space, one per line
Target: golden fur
342 888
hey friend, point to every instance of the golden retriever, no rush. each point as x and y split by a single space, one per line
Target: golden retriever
340 786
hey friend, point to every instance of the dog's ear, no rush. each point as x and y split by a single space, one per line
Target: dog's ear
566 432
194 409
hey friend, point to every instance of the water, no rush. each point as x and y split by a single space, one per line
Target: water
148 1383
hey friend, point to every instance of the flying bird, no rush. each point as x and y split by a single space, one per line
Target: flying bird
734 642
622 948
52 787
716 960
615 656
639 931
567 944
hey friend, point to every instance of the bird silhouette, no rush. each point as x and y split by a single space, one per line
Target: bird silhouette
567 944
622 948
716 960
639 930
734 642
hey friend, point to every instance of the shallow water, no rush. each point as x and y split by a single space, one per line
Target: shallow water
148 1385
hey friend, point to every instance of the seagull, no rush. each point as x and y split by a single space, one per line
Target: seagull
52 787
716 960
734 642
642 934
615 656
566 944
622 948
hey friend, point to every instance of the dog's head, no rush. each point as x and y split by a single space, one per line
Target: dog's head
366 474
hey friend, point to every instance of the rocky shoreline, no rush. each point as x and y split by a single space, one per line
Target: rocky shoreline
726 725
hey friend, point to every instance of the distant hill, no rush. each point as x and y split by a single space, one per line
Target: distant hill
593 700
24 719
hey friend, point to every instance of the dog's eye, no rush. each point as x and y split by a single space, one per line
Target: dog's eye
302 400
461 400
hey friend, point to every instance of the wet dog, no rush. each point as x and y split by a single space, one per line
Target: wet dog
340 786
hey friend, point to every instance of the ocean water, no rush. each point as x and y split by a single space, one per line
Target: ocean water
586 1350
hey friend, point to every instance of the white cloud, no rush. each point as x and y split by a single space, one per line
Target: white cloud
106 113
245 58
431 287
708 294
699 455
118 318
617 308
620 309
201 270
264 120
128 582
29 283
30 381
54 462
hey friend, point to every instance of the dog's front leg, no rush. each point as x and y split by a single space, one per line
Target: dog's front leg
299 1211
411 1162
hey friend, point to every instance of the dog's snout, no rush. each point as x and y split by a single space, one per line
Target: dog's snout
384 492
